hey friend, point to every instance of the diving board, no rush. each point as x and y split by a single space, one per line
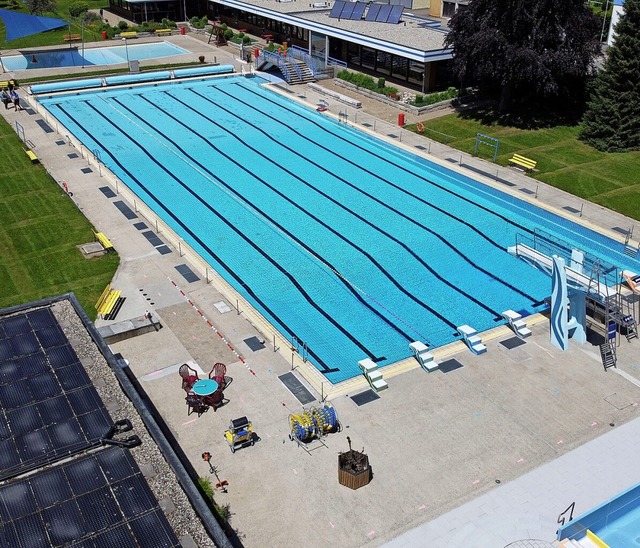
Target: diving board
577 279
633 280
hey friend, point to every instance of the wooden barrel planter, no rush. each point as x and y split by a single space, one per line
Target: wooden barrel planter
353 468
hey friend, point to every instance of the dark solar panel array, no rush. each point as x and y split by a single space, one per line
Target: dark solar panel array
100 499
372 14
384 13
358 10
395 15
336 9
49 407
347 10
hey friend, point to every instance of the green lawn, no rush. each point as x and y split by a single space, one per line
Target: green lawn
564 162
40 229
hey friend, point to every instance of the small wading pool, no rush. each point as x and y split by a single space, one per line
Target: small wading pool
76 57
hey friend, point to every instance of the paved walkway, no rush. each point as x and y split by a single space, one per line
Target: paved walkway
436 441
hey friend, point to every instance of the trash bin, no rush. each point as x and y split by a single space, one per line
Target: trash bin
182 30
104 34
401 119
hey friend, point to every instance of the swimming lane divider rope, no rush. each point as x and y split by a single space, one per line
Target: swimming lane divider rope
391 278
384 204
208 174
240 281
309 214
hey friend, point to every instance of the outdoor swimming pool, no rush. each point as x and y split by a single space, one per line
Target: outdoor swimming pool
351 247
73 56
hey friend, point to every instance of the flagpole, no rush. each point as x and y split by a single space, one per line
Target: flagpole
82 40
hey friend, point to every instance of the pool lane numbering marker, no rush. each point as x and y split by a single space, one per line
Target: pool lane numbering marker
229 346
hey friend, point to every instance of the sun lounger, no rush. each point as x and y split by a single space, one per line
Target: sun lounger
424 357
517 323
633 280
472 339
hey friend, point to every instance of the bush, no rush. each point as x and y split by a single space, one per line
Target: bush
228 34
123 25
247 40
381 82
78 7
433 98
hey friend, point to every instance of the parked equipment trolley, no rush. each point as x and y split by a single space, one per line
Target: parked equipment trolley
239 434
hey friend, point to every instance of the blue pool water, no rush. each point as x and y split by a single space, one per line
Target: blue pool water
73 57
351 247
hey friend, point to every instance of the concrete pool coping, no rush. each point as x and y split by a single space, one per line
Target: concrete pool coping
434 440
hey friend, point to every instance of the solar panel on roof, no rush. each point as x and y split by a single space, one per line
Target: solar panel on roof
73 376
395 15
61 356
14 325
51 336
383 14
40 318
374 9
336 9
347 10
358 11
151 530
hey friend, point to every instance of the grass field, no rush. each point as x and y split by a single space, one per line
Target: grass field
40 230
563 161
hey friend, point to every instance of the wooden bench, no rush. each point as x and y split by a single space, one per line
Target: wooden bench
525 163
31 155
129 34
108 299
104 241
163 32
71 37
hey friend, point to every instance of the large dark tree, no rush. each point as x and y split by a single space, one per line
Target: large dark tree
526 53
612 120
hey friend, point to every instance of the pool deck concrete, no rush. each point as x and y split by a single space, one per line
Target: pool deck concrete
484 455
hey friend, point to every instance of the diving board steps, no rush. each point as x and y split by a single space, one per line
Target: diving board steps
373 375
589 540
608 355
517 323
424 357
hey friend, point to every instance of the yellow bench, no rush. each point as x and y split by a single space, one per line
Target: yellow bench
163 32
31 155
103 297
110 302
5 84
526 163
129 34
104 241
71 37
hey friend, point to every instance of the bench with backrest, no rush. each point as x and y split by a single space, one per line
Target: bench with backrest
31 155
5 84
129 34
522 162
107 301
71 37
163 32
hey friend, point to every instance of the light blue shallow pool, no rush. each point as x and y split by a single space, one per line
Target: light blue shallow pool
349 246
73 56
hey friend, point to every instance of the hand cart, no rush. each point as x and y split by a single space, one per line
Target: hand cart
239 434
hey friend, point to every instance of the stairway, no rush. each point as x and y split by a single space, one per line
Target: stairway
608 355
299 72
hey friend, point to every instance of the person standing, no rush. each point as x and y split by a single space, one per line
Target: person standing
6 98
16 100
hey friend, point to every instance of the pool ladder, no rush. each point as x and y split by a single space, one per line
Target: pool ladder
300 347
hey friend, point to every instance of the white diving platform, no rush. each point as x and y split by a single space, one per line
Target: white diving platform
574 277
373 375
633 280
473 340
424 357
517 323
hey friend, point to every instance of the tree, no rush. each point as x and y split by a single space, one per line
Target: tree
527 53
78 8
38 7
612 120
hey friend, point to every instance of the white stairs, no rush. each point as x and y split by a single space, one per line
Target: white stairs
424 357
373 375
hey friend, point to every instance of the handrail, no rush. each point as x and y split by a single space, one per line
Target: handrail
569 509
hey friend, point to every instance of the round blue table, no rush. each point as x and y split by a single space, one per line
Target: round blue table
204 387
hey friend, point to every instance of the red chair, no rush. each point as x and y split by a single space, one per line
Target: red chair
189 377
196 404
218 374
215 400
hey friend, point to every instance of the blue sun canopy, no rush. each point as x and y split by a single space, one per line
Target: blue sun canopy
22 24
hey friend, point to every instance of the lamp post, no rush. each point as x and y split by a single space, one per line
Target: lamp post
185 10
604 20
83 41
126 49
